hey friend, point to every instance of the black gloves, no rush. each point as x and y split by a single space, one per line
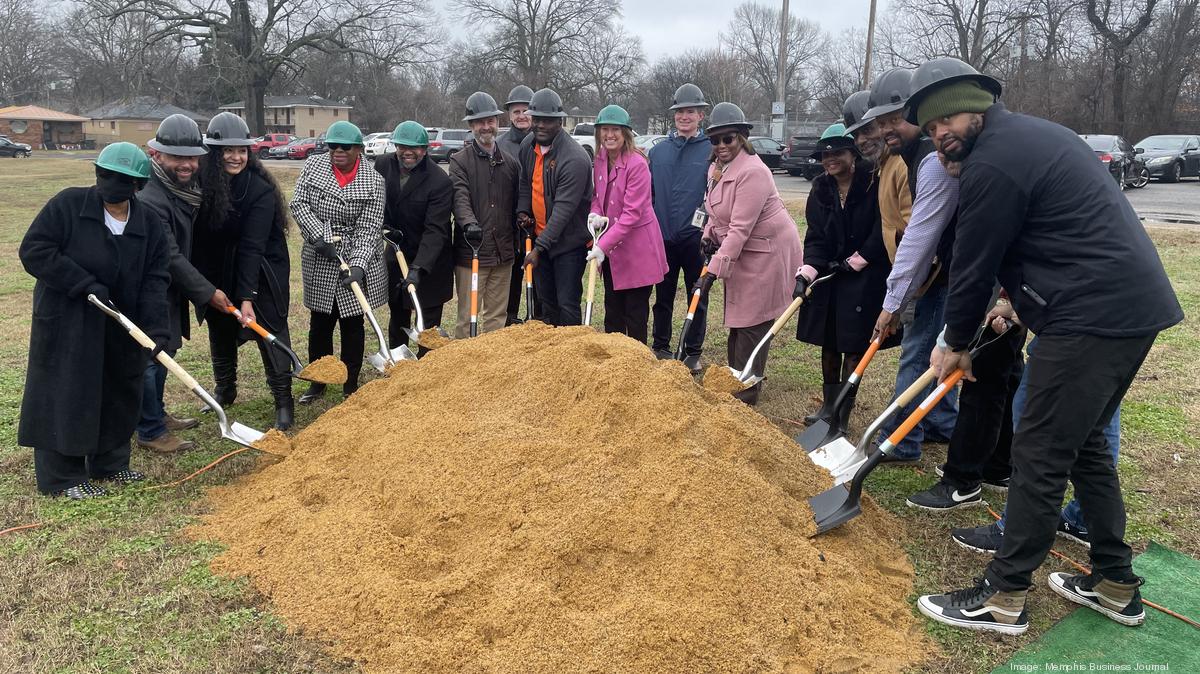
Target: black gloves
414 275
160 345
473 233
709 247
99 290
326 249
801 286
704 283
394 237
525 222
356 275
837 266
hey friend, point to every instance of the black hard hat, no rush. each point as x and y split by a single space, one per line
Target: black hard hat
854 109
688 96
931 75
519 94
727 116
480 105
228 129
178 135
546 103
888 93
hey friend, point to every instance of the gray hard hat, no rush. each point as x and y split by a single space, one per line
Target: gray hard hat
546 103
519 94
728 115
889 92
480 105
854 109
178 135
228 129
688 96
932 75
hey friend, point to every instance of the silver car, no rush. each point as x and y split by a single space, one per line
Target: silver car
377 144
445 142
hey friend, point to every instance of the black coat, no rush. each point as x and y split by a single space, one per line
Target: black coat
835 233
1037 211
187 283
246 253
83 387
421 210
567 187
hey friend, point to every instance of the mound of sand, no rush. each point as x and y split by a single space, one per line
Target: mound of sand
549 500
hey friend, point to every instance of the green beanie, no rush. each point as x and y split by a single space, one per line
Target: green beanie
962 96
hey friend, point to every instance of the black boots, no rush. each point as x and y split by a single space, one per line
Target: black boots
829 392
281 391
843 420
749 395
225 378
314 393
351 384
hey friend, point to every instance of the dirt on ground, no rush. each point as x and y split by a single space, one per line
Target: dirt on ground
546 500
719 379
274 442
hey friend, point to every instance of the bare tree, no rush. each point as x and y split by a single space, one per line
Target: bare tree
26 53
976 31
1129 21
754 36
611 65
840 73
1169 55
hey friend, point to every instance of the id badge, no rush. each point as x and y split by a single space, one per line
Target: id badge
700 218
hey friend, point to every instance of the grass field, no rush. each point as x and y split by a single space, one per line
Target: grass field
111 586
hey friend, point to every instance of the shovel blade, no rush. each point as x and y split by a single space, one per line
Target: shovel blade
820 433
831 455
378 361
241 434
834 507
402 352
413 335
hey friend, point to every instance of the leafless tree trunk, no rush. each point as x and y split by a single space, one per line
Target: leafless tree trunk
1130 23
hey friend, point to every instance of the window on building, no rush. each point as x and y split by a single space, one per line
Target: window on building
335 112
311 112
112 125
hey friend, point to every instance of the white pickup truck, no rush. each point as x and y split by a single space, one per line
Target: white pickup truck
585 135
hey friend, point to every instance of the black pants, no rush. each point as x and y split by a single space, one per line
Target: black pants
682 255
626 311
981 444
741 344
1074 384
560 286
57 472
516 289
320 342
402 318
225 336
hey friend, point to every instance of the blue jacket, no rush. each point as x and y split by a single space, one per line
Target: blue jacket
678 171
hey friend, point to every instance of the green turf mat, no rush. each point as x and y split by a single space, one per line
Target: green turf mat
1086 641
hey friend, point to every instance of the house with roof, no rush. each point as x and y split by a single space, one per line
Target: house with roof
40 127
302 116
134 120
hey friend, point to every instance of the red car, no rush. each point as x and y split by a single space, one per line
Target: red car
262 146
301 149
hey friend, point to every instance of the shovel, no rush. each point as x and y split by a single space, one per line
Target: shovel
243 435
271 340
596 224
823 431
528 281
746 374
691 312
474 237
414 335
384 358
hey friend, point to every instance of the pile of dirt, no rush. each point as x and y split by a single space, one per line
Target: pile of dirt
431 338
718 378
274 442
325 370
545 500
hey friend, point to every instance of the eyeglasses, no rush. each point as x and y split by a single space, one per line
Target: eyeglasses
727 139
341 146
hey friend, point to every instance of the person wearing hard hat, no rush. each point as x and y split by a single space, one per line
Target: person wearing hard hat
555 195
756 244
630 251
100 242
420 197
843 237
484 176
1039 213
241 244
679 171
338 204
173 193
520 123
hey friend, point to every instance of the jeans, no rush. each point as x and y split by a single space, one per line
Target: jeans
559 281
920 336
153 422
1072 514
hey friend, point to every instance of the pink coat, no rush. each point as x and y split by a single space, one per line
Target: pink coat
633 244
760 245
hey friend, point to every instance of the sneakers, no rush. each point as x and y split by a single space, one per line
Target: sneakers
125 477
996 484
166 444
981 607
1120 601
82 492
1073 533
175 425
942 496
985 539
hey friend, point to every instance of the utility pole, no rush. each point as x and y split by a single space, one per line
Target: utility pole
866 76
779 107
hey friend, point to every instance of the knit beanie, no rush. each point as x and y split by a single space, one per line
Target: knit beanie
962 96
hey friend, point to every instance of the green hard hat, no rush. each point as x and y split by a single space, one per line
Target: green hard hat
833 139
410 133
834 131
613 115
343 132
125 158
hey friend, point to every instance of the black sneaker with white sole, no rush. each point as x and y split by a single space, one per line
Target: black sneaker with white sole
1121 602
996 484
943 496
981 607
986 539
1073 533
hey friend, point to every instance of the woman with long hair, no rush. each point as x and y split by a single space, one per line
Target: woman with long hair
241 245
630 251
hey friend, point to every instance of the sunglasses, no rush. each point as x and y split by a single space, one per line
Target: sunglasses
727 139
341 146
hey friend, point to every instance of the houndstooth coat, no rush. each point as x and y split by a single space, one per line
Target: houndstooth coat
323 210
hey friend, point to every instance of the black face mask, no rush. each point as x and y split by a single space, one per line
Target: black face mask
114 190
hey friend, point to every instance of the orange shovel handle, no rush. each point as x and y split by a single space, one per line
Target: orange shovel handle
923 409
528 270
866 359
258 329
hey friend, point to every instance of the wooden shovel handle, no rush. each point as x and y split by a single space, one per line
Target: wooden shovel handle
915 388
591 291
787 314
167 361
926 405
354 287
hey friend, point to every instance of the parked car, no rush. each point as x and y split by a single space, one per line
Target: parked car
302 148
1121 158
10 149
769 150
649 140
281 151
262 146
445 142
1170 158
795 158
376 144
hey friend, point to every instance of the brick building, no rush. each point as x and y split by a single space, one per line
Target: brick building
41 128
134 120
302 116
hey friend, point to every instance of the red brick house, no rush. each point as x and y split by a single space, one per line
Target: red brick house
41 128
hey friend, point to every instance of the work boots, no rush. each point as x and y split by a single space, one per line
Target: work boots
749 395
281 391
843 420
829 392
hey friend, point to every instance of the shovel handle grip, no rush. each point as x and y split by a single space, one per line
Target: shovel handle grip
401 261
591 291
926 405
253 325
866 358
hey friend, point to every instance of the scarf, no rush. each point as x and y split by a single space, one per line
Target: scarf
190 195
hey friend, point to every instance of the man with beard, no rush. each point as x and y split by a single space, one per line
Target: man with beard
555 197
520 123
485 198
174 195
895 201
416 218
1039 213
927 239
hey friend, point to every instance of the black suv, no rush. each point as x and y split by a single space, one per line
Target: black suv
796 160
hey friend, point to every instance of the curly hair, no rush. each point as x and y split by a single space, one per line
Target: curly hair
217 201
